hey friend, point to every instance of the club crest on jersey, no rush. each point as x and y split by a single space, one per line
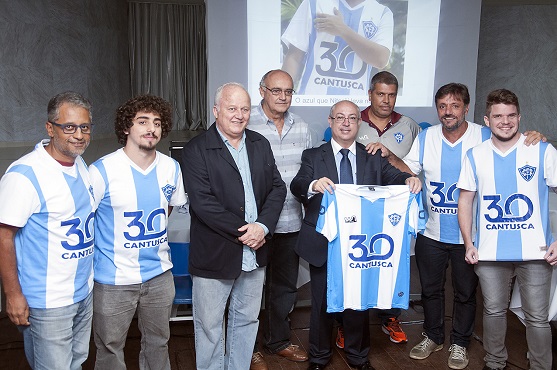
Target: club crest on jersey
350 219
370 29
527 172
399 137
168 190
394 218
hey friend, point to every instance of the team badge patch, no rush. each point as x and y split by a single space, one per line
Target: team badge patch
394 218
527 172
370 29
168 190
399 137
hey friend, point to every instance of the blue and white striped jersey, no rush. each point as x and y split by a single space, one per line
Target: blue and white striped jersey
331 66
131 243
53 206
369 231
441 160
512 199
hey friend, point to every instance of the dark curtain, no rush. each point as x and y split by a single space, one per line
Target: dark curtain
168 58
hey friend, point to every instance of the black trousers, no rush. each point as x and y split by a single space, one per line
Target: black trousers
355 323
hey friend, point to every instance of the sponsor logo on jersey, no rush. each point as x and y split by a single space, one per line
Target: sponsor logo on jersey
527 172
350 219
370 29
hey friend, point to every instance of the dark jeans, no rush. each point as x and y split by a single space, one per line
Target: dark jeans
280 290
432 258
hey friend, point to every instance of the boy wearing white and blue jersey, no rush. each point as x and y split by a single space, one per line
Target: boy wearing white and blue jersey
46 239
334 45
135 189
438 152
510 183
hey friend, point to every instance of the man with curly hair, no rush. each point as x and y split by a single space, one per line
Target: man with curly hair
135 188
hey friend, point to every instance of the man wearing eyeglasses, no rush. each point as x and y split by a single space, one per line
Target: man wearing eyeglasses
320 170
135 188
289 136
46 239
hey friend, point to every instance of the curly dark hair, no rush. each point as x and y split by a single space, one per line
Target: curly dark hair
142 103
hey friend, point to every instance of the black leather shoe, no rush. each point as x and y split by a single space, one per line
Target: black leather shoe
365 366
314 366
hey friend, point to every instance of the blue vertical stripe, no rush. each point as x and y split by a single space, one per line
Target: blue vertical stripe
310 58
104 228
509 243
543 191
82 204
31 245
451 157
373 226
402 283
148 198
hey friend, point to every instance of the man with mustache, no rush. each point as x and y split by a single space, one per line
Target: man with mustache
135 189
438 152
46 239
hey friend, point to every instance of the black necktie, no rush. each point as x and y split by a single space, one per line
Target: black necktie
345 168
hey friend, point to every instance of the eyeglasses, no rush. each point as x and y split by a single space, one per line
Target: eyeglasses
277 91
69 128
339 118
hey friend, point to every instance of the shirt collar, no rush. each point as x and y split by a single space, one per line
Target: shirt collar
288 119
337 147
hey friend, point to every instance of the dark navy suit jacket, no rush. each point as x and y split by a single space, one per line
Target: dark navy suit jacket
320 162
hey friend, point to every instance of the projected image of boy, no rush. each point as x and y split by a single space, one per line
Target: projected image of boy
334 45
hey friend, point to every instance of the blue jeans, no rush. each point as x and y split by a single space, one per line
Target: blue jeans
58 338
280 290
432 258
534 278
115 306
210 297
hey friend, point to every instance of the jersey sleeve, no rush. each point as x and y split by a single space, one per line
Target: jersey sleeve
98 182
416 215
550 166
179 196
412 159
327 220
467 178
299 29
17 206
384 35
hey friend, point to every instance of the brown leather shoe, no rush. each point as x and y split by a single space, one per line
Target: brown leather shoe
258 362
293 353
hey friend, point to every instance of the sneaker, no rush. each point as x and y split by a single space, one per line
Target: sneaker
340 337
458 358
258 362
394 331
425 348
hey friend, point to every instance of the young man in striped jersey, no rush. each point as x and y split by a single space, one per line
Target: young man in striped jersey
438 152
510 182
135 188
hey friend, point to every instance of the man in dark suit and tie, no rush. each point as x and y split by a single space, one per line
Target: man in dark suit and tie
340 160
236 195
